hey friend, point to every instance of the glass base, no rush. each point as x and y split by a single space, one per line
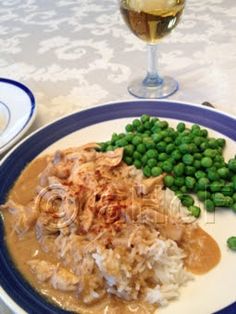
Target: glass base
165 88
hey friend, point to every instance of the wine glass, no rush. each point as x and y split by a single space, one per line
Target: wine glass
150 20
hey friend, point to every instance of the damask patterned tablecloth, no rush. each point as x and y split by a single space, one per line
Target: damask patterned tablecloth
78 53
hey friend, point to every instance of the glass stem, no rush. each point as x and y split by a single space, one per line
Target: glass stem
152 78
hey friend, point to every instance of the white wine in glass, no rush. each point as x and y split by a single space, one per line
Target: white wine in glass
150 20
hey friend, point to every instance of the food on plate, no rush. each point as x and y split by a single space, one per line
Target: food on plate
193 161
93 234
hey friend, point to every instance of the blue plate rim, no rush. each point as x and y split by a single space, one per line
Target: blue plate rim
31 116
138 107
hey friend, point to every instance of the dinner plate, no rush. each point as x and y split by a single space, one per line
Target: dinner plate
212 292
17 112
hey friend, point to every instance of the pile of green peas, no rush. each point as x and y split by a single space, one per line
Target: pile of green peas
192 161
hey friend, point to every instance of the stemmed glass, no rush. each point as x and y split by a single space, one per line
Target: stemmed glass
150 20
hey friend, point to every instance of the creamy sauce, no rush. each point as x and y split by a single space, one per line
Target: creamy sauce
202 251
27 247
202 254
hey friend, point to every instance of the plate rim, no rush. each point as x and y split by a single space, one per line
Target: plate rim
31 116
107 104
13 305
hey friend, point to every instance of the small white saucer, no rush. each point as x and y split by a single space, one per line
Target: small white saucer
17 112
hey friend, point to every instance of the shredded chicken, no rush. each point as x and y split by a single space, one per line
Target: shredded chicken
95 212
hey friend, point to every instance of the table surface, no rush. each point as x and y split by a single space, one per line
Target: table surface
74 54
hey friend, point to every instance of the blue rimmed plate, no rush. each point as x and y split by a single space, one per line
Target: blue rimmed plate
212 292
17 112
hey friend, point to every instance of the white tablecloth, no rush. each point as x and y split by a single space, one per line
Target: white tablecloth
76 53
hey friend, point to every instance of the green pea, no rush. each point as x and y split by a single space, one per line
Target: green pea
232 165
161 146
179 169
206 162
231 242
183 189
149 143
215 186
198 140
180 127
128 160
212 175
197 156
184 148
129 150
164 133
233 179
147 125
221 142
179 181
140 129
212 143
152 153
195 127
204 133
163 124
186 200
156 171
152 162
234 197
103 147
147 171
121 142
168 181
141 148
156 137
163 156
203 183
219 158
209 205
200 174
187 159
190 170
167 166
136 123
168 139
209 153
190 182
170 148
228 202
218 199
144 160
137 140
197 164
172 133
234 207
145 117
137 155
178 140
228 189
195 210
223 172
203 145
186 140
129 137
155 129
176 155
109 148
203 195
129 128
174 188
138 163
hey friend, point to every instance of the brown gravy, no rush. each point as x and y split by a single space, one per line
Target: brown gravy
22 192
202 254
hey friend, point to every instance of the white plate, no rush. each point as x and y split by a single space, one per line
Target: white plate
17 112
212 292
